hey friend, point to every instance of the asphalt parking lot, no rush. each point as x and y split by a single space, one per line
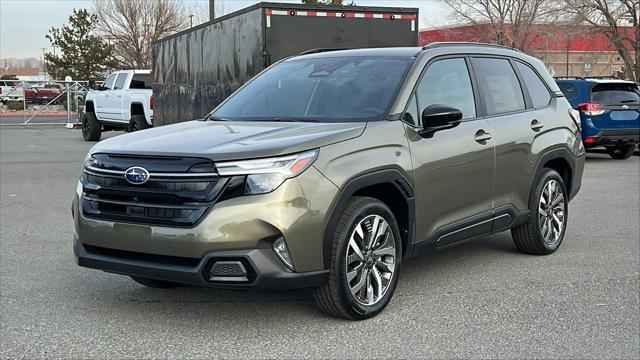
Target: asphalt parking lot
477 300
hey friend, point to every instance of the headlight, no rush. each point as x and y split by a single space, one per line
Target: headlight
265 175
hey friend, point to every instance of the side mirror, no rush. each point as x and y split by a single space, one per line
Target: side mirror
439 117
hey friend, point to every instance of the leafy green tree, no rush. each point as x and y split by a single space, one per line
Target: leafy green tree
82 54
9 77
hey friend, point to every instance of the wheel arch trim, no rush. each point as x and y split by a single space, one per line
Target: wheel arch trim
391 176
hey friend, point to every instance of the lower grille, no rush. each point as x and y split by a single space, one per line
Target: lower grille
180 197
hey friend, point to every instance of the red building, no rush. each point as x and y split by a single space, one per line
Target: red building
567 50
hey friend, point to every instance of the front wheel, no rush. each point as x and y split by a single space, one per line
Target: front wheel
543 233
365 260
621 152
91 128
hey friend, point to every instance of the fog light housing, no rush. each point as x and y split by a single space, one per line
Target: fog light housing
280 248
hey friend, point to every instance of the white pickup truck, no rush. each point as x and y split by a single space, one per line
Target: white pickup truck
123 102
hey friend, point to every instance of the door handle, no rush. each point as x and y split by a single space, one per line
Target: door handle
119 95
536 125
482 136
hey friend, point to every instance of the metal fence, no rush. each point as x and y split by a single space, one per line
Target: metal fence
42 103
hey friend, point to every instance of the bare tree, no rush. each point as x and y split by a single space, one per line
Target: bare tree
132 26
612 18
509 22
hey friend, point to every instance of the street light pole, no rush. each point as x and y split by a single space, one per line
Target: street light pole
191 19
212 10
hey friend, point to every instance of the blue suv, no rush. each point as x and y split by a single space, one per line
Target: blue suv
609 112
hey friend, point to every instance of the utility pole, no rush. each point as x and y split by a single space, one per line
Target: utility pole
191 19
44 63
212 10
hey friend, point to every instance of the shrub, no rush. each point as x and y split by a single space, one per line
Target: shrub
15 105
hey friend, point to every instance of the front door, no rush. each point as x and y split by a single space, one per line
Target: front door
454 169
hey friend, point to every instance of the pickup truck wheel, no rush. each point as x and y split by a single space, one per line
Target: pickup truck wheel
544 231
91 128
153 283
138 122
365 261
621 152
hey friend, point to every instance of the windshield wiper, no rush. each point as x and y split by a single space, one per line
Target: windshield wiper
290 120
211 117
629 101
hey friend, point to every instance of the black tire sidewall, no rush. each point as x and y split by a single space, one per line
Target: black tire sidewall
139 121
371 207
91 128
621 152
544 178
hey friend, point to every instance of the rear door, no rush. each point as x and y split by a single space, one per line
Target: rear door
115 101
516 122
618 106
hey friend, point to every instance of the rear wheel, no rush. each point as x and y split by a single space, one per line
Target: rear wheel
153 283
543 233
621 152
91 128
138 122
365 260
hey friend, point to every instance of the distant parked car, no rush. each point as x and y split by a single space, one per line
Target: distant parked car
609 112
11 90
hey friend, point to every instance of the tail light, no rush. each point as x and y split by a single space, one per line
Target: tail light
591 109
151 102
590 140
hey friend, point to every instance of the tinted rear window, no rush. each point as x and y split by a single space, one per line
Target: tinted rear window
615 94
141 81
499 85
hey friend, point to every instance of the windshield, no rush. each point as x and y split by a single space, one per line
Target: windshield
324 90
615 94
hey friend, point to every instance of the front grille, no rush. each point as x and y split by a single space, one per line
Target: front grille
173 195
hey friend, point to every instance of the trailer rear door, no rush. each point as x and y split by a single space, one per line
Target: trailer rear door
292 31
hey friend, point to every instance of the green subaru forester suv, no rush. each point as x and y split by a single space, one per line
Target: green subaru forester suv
328 169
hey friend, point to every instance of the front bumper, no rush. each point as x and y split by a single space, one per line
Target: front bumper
264 270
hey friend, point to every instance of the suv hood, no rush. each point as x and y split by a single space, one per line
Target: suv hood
230 140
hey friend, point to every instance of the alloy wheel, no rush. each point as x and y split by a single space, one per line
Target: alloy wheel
551 212
370 260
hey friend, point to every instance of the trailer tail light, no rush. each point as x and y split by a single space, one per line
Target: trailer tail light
591 109
590 140
151 102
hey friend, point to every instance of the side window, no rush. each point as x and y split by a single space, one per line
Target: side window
447 82
537 90
411 115
122 77
109 82
570 91
499 85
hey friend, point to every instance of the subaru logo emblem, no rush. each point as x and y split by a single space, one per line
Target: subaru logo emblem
136 175
625 106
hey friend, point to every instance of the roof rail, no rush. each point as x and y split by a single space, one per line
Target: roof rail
568 77
603 77
321 50
437 44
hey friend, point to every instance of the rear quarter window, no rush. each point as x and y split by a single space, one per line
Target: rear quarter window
570 91
540 96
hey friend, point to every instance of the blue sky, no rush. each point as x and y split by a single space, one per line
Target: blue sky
24 23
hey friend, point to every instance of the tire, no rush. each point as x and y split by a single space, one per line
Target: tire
91 128
535 236
336 297
621 152
153 283
138 122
